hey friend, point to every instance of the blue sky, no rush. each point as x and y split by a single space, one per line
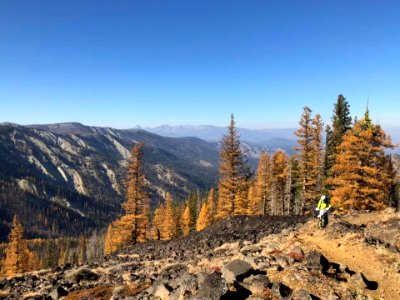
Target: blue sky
128 63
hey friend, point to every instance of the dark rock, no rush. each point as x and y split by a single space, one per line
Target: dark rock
235 270
316 261
58 292
213 288
280 290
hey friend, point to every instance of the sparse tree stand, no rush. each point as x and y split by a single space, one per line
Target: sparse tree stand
18 259
136 207
234 175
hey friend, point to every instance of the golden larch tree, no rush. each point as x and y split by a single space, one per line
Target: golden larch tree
186 218
204 219
234 173
158 222
169 225
360 177
279 191
137 200
310 158
254 205
18 259
260 200
241 202
212 205
136 207
119 234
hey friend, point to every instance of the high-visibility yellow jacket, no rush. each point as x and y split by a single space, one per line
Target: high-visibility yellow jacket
323 205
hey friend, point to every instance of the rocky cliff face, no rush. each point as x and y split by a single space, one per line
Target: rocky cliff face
79 171
356 257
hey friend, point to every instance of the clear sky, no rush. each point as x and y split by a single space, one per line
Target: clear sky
127 63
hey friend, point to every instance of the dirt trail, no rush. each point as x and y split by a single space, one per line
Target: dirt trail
376 264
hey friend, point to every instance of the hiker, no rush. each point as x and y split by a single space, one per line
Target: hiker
323 209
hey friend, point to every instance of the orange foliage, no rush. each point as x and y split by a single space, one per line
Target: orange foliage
360 179
18 259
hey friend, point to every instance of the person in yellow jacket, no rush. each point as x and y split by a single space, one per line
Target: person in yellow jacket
323 208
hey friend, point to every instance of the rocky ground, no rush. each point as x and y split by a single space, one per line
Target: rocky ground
356 257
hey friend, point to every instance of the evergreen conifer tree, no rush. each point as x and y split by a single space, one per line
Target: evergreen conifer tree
341 122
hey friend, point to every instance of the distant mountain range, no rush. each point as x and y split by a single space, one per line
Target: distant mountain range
254 139
268 139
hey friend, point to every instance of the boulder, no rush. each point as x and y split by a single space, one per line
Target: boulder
256 284
250 249
235 270
213 288
302 295
280 290
58 292
316 261
162 292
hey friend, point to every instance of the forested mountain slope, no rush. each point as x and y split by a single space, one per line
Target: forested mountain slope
61 177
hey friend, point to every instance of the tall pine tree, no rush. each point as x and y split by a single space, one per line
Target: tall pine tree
137 200
341 122
234 174
310 158
132 227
